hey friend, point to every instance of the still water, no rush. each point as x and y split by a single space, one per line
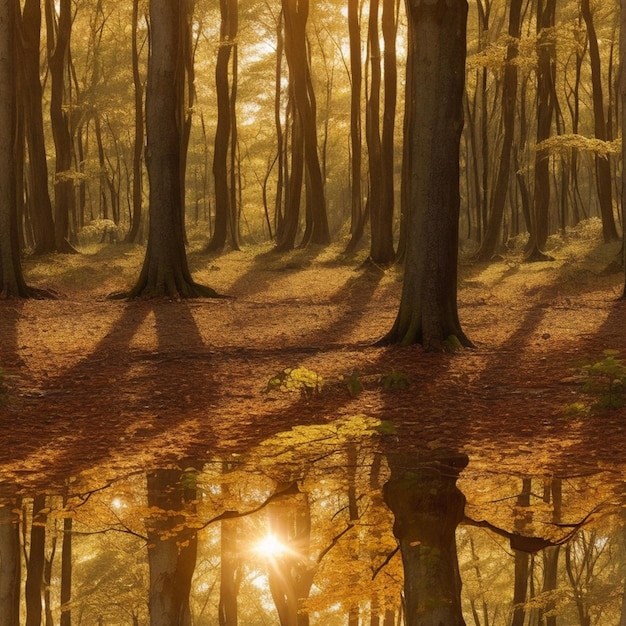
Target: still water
324 525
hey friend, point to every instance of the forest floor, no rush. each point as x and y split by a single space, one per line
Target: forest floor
91 382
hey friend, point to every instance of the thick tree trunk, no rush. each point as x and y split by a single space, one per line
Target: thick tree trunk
428 507
165 271
11 278
171 553
40 205
428 311
356 201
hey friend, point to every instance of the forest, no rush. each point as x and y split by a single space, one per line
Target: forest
312 312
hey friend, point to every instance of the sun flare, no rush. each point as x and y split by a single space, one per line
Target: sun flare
269 546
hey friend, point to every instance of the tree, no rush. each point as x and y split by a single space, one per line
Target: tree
225 210
509 101
622 83
39 205
428 307
172 546
602 163
11 278
58 33
9 525
428 507
546 63
305 159
165 270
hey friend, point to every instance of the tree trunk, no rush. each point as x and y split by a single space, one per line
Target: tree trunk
428 507
223 197
622 47
603 165
304 140
58 33
12 282
40 205
357 220
36 562
134 234
172 548
428 311
546 10
9 520
165 270
491 237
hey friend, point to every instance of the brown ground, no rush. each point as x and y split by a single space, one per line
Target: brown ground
113 384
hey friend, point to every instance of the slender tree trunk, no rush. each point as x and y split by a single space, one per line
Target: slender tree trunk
546 10
135 233
58 33
305 130
36 563
224 130
603 165
10 570
509 102
172 548
357 220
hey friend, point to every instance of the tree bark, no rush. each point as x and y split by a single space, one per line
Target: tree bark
165 270
36 561
428 507
602 164
428 311
39 205
135 234
171 553
9 523
493 229
12 282
58 33
546 10
305 131
224 207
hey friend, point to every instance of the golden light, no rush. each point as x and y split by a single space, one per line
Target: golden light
269 546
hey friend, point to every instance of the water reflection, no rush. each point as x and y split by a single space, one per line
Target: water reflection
322 524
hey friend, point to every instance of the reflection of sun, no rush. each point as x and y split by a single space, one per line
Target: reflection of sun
269 546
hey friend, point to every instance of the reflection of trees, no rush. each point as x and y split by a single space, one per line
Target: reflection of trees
9 560
291 572
428 507
172 546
